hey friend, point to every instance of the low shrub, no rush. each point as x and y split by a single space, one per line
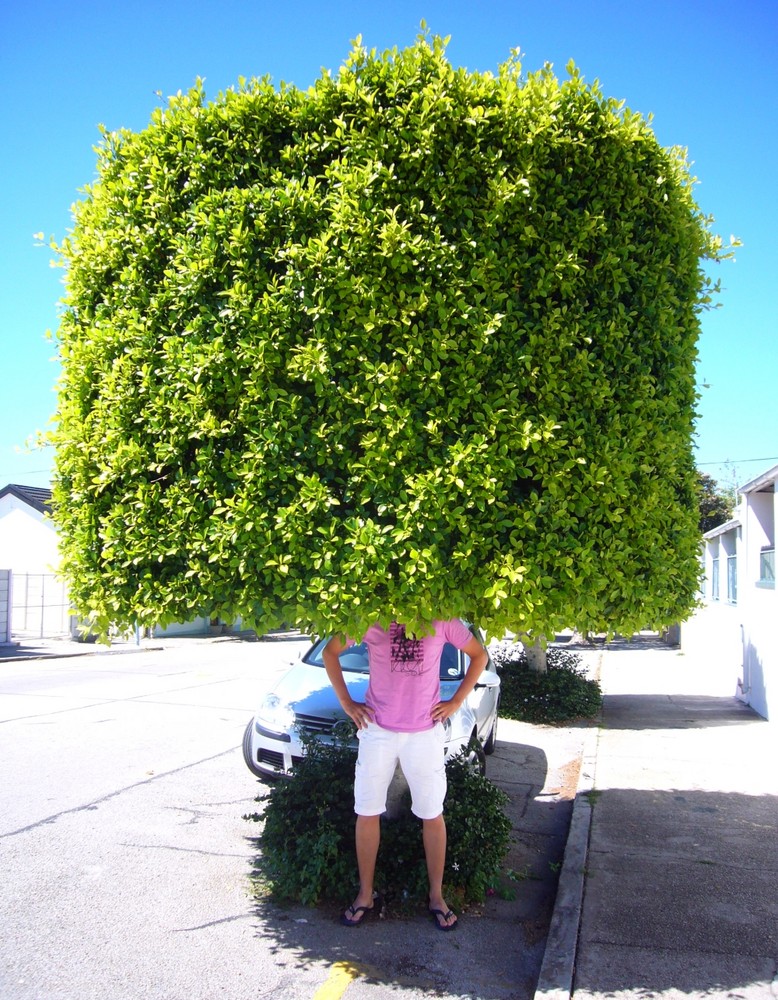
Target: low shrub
562 694
307 836
478 833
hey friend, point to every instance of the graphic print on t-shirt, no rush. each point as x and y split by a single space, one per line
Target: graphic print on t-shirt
407 655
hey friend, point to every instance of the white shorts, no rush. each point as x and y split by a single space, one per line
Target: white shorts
422 761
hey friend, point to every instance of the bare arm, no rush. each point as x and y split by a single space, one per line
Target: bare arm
478 660
355 710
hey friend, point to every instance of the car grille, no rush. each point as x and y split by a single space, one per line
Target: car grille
274 759
271 758
315 724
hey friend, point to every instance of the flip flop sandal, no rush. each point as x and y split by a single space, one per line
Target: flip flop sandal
446 917
353 921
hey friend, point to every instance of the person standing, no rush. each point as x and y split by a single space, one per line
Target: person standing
402 719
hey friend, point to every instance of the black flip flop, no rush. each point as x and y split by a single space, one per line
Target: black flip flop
350 921
446 916
354 910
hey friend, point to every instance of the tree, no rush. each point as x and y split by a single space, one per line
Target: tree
415 342
715 505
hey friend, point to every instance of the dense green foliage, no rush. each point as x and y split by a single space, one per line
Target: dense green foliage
307 837
414 343
715 504
562 693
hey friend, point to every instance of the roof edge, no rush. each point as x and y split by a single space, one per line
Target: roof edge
756 484
37 497
722 529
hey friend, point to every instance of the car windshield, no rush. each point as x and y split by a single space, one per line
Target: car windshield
355 659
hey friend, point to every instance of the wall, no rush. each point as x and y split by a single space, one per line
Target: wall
738 639
714 637
760 678
198 626
760 657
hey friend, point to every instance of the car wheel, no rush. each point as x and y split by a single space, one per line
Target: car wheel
492 738
247 754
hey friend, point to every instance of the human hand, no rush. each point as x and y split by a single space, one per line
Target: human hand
359 713
444 710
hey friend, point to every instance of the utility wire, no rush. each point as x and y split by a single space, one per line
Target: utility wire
741 461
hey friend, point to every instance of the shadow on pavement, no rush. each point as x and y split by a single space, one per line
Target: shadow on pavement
641 642
674 711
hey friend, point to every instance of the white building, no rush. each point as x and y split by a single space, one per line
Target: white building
30 550
738 623
28 539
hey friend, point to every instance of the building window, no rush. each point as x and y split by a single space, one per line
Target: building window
714 580
767 567
732 579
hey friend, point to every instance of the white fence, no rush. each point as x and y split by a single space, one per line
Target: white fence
40 609
5 606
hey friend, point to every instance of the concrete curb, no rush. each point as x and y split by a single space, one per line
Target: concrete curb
290 636
71 654
555 981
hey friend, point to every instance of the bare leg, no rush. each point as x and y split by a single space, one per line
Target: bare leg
434 836
368 837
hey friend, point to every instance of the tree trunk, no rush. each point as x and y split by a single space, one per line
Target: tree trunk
535 648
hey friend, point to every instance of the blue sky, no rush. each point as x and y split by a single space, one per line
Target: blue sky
707 71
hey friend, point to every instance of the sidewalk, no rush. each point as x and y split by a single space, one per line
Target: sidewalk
670 883
57 648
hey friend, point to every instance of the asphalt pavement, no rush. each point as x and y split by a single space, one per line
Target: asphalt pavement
127 866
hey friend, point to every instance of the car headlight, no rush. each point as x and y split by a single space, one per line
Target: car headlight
275 714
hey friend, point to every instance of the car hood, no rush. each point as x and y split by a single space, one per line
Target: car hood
307 690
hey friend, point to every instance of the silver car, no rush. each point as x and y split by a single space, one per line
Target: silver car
304 701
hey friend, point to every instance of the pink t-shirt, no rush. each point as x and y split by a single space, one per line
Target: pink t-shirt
405 673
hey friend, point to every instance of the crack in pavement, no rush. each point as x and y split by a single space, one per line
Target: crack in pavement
115 794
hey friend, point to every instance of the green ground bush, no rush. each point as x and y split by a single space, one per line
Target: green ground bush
307 836
562 693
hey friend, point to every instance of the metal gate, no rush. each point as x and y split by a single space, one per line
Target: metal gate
40 608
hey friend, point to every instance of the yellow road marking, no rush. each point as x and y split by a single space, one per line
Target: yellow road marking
341 974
